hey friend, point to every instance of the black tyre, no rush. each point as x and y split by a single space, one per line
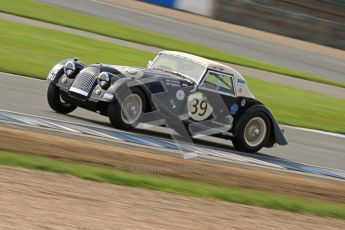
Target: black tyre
56 102
127 115
253 132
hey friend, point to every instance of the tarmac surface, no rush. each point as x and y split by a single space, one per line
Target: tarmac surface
26 95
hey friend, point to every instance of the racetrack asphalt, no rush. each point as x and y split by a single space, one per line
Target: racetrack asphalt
323 65
26 95
259 74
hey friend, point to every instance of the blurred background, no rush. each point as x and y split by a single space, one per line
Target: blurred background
318 21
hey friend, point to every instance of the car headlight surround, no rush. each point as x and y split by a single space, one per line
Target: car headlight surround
69 68
104 80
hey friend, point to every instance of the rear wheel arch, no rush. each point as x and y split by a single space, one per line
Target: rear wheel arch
255 108
275 133
253 131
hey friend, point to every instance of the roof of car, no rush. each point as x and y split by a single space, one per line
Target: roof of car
241 86
210 64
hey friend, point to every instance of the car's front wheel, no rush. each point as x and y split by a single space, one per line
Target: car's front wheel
253 132
56 101
127 114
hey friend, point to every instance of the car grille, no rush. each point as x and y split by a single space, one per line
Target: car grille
84 81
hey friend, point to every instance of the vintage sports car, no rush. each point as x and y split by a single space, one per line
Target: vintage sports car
192 95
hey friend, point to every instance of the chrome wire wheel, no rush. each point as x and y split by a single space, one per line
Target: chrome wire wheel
131 109
255 131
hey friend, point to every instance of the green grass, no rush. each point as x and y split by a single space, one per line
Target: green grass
32 51
177 186
39 11
300 107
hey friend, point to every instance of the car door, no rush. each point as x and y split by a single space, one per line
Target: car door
210 106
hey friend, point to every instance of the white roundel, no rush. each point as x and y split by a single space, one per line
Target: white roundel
180 95
198 107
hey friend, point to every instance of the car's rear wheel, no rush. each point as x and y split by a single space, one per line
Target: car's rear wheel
253 132
127 115
56 101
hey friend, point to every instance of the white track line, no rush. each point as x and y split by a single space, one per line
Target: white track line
21 76
143 140
76 123
39 122
88 131
58 120
196 150
15 116
241 158
315 131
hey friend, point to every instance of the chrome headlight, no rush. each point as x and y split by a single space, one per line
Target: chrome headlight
104 80
69 68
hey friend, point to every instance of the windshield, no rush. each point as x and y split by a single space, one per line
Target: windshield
181 65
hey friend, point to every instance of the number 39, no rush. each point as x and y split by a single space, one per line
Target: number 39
199 107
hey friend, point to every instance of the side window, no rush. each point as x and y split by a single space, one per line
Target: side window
220 82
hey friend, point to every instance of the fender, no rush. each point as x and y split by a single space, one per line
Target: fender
121 86
278 136
57 72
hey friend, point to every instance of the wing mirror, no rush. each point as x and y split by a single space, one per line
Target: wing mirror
149 64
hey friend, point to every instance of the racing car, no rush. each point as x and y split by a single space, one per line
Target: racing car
190 94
